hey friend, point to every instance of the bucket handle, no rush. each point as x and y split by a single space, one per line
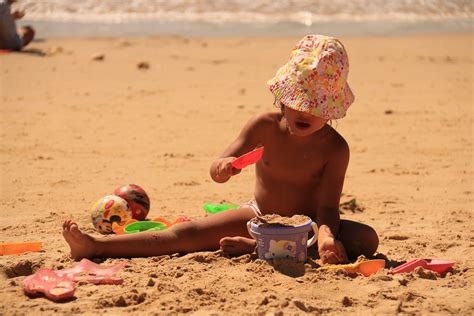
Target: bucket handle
313 239
250 231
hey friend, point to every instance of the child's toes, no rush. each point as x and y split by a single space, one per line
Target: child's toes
225 241
74 229
66 224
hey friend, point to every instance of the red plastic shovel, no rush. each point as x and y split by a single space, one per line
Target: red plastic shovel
436 265
248 158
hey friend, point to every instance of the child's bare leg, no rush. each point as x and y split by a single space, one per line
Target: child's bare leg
198 235
358 239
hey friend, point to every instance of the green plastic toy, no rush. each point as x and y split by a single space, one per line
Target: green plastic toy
216 208
144 226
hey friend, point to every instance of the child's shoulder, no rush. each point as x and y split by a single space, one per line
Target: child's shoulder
335 142
267 118
264 121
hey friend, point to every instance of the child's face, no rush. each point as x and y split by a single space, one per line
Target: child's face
301 123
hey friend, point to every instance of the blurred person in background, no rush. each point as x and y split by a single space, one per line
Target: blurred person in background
10 37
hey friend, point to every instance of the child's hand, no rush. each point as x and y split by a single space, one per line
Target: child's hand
332 251
223 170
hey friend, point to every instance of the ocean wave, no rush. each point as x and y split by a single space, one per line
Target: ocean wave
304 12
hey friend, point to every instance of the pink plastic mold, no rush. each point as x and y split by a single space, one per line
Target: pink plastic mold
248 158
436 265
52 285
91 272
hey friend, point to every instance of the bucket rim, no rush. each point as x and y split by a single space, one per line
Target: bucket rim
307 224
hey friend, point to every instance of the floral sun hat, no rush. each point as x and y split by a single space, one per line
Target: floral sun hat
315 78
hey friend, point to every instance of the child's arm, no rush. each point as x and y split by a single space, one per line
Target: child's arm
330 249
249 138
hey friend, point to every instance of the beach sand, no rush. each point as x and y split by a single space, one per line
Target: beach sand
74 128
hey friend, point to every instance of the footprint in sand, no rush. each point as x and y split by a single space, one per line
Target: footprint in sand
60 183
22 268
398 237
125 44
186 184
98 57
143 65
182 156
218 61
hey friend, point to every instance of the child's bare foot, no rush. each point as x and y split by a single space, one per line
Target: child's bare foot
237 245
82 245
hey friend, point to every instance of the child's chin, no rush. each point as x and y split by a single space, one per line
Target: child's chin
300 133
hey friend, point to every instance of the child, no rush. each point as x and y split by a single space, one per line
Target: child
10 37
301 172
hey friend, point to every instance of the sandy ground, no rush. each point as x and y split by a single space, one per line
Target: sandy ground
73 129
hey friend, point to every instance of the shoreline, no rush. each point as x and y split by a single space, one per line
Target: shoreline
61 29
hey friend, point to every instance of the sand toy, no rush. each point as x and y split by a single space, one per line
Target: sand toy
436 265
280 237
60 285
248 158
366 268
217 208
92 272
144 226
180 219
154 224
19 248
119 228
54 286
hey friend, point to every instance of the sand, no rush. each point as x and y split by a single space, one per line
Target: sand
275 220
75 125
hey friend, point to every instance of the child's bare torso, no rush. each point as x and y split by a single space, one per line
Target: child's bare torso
289 176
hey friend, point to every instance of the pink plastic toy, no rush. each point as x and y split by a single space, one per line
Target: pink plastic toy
91 272
436 265
248 158
52 285
60 285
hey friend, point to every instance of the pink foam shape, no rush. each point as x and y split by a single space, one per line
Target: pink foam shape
248 158
54 286
436 265
92 272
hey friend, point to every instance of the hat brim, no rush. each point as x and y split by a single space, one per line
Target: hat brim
293 96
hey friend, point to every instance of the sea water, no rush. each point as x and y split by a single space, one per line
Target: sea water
245 17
